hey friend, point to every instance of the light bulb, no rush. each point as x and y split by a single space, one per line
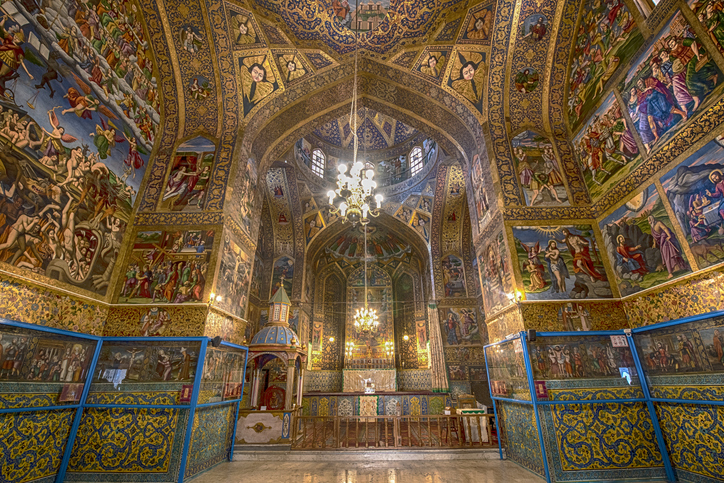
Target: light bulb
358 166
343 208
370 174
342 168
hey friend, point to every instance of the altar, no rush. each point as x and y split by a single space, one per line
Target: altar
415 403
382 380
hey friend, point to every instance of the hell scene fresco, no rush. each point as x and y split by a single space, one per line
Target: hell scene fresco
459 327
538 170
571 357
670 83
641 244
606 148
695 190
31 356
560 262
607 37
139 362
695 347
167 267
79 114
188 178
496 274
232 283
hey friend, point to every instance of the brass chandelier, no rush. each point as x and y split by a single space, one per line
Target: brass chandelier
354 194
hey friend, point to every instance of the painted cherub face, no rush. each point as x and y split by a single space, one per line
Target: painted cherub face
257 74
291 66
468 72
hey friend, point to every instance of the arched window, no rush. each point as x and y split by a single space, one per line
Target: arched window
318 162
415 160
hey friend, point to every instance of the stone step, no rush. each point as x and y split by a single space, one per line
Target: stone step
284 453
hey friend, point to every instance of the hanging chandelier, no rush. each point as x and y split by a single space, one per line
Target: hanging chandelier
353 197
365 320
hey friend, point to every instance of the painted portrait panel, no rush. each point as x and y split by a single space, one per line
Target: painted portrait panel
495 274
671 82
79 116
576 357
607 37
560 262
606 148
283 267
243 28
478 25
432 63
421 224
257 79
457 373
142 362
459 327
641 244
454 276
188 179
167 267
695 190
256 278
538 170
233 281
467 76
312 225
534 27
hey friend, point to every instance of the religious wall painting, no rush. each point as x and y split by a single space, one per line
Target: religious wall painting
143 362
459 327
538 170
294 320
468 73
534 27
576 357
607 37
77 140
478 373
283 268
328 216
243 29
641 244
382 243
425 204
312 225
248 193
154 322
606 148
453 276
711 15
317 331
257 79
167 267
526 80
223 374
405 214
190 38
32 356
457 372
574 317
421 332
293 67
256 278
431 64
263 318
308 205
478 25
421 224
560 262
233 280
695 190
496 274
199 87
670 83
188 178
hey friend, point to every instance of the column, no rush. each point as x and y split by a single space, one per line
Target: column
300 387
255 383
290 386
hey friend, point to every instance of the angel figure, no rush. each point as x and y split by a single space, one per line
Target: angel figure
190 40
105 138
480 25
84 104
431 65
291 68
468 76
57 136
257 81
241 26
134 159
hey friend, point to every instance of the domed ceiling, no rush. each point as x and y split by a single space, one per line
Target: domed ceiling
381 26
374 130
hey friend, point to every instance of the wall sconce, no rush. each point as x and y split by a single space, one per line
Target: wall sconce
331 339
405 337
349 349
214 298
516 296
390 349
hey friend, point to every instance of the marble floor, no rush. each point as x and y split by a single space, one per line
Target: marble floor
459 471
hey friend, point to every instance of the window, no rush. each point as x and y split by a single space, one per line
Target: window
415 160
318 162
